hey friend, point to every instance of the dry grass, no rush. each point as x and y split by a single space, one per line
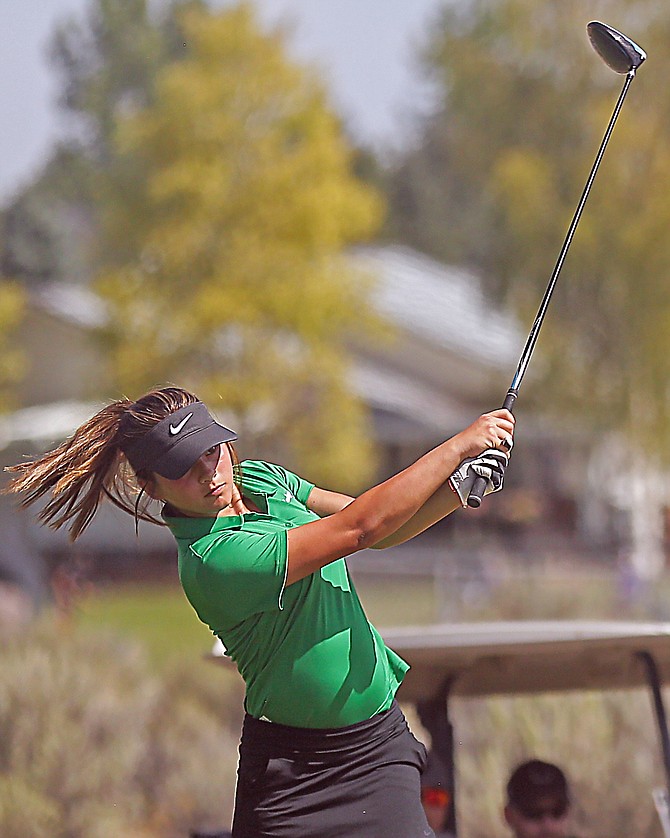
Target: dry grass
93 745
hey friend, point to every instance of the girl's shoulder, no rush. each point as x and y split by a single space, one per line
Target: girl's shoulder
262 471
259 467
262 476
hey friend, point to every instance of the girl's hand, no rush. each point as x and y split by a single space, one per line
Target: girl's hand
491 430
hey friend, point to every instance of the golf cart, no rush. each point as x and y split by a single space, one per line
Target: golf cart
526 658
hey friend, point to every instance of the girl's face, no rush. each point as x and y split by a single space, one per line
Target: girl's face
205 491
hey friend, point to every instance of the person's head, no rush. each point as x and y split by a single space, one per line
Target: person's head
163 446
538 801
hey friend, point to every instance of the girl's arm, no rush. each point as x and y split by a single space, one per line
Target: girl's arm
437 507
324 502
380 512
440 504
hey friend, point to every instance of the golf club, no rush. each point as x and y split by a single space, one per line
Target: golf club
623 56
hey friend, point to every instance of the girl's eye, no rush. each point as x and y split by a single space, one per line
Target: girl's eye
212 450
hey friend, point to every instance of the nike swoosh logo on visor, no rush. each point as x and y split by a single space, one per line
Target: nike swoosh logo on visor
175 429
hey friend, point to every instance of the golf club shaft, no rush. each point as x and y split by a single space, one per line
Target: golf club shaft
479 486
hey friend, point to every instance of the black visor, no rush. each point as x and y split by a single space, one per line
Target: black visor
172 446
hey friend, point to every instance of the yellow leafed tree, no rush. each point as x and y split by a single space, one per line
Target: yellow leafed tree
222 242
11 358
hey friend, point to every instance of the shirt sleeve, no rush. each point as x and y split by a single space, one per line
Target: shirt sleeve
301 488
244 572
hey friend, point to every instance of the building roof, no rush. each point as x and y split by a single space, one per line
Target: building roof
443 304
415 411
43 424
73 303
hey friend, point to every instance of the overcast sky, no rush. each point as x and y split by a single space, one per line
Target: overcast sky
365 48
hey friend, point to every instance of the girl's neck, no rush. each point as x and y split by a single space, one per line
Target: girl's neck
238 506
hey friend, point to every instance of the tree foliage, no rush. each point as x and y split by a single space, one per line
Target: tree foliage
523 105
105 63
47 228
222 235
205 183
12 301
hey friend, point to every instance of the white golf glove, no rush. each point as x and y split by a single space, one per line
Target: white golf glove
490 465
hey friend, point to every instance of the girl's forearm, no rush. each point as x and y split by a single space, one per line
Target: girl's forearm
410 501
440 504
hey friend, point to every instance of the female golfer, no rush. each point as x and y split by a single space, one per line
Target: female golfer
325 749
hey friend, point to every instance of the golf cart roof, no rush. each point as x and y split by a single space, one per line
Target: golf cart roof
502 658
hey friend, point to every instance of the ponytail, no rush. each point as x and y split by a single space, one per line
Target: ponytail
90 465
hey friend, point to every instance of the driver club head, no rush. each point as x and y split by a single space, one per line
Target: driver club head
617 51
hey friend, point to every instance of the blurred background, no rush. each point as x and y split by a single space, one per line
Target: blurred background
334 222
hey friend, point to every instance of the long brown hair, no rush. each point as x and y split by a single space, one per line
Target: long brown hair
89 465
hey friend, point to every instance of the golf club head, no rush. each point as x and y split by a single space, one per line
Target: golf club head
617 51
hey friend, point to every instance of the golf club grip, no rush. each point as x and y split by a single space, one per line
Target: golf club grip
479 486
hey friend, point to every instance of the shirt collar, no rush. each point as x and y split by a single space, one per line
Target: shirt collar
193 528
183 527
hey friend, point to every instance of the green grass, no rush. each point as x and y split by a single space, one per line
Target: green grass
159 616
397 601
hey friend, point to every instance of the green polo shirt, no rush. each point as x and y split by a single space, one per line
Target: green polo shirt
307 652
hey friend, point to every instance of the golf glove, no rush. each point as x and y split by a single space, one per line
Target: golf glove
490 465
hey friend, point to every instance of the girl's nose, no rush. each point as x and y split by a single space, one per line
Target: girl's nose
205 469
